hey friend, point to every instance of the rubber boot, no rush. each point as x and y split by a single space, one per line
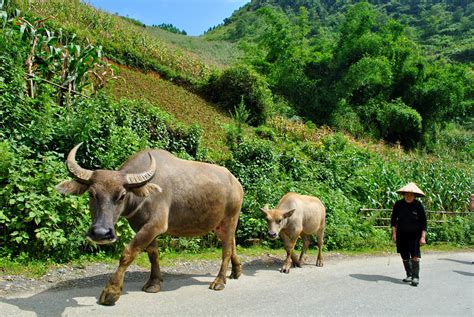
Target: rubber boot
408 269
416 273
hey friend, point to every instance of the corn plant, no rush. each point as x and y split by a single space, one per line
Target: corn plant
58 59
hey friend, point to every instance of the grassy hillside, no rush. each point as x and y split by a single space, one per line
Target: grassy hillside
151 63
215 53
123 40
184 105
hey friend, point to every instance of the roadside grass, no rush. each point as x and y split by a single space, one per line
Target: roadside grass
30 269
37 269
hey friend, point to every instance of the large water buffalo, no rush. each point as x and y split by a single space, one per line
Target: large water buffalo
297 215
158 193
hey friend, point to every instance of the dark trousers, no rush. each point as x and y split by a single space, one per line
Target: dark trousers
408 244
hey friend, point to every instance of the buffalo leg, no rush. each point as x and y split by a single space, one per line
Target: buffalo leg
226 233
153 284
319 260
111 292
306 241
236 266
290 255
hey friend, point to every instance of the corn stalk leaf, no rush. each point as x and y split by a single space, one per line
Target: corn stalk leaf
22 30
3 16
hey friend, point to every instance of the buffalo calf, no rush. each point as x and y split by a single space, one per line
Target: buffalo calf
297 215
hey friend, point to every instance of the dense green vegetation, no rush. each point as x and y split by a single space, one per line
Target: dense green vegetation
367 80
353 67
442 27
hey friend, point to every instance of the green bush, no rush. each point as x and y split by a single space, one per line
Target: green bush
34 218
239 82
398 122
6 157
394 121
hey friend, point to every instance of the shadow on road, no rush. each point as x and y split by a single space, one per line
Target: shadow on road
68 294
457 261
42 305
268 263
464 273
376 278
272 263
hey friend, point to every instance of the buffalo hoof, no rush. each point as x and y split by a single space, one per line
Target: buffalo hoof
152 286
296 264
319 263
235 273
217 286
109 297
285 270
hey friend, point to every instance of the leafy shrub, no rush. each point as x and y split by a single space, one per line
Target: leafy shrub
265 132
458 230
239 82
255 165
5 160
253 161
394 121
34 218
398 122
294 163
366 79
345 118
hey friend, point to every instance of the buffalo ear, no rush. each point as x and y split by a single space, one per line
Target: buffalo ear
289 213
146 190
265 208
71 187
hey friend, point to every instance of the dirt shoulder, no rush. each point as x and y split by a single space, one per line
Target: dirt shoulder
73 275
70 275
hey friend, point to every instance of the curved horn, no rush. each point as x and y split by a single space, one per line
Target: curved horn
79 173
135 180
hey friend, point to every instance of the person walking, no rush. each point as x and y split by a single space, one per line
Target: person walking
409 227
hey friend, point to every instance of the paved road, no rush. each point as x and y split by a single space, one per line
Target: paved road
355 286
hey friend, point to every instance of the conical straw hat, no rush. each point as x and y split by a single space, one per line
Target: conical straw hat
411 188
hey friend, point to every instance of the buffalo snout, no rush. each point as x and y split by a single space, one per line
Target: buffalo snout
272 235
101 235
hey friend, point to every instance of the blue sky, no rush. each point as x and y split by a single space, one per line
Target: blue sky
193 16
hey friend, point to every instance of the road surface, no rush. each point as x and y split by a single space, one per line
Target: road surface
345 286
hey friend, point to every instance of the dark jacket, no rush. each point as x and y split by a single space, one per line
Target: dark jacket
409 217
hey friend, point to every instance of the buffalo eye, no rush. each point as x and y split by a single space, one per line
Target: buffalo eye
278 221
121 196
